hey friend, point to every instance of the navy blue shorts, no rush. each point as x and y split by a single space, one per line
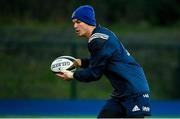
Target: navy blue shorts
136 106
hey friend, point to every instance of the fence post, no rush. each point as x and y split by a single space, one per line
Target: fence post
73 90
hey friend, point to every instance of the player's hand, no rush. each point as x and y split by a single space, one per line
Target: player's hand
77 63
65 75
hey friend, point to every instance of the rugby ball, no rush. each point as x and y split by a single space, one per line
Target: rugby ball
63 63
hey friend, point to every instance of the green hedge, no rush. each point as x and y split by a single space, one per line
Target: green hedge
26 55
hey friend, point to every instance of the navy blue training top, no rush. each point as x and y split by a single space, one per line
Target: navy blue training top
109 57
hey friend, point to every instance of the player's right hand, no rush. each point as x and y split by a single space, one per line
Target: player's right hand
65 75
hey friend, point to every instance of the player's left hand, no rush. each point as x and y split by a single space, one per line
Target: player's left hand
65 75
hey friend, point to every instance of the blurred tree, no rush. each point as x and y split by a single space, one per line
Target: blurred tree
162 12
158 12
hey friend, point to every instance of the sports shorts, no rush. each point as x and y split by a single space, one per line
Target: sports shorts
133 107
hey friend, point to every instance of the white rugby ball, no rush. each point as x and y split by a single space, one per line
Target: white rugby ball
63 63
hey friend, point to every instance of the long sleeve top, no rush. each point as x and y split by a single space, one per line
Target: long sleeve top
108 56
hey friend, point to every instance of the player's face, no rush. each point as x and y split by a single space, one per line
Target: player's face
80 27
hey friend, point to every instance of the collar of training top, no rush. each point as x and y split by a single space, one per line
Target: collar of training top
95 34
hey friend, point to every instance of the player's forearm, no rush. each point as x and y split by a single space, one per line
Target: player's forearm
85 75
